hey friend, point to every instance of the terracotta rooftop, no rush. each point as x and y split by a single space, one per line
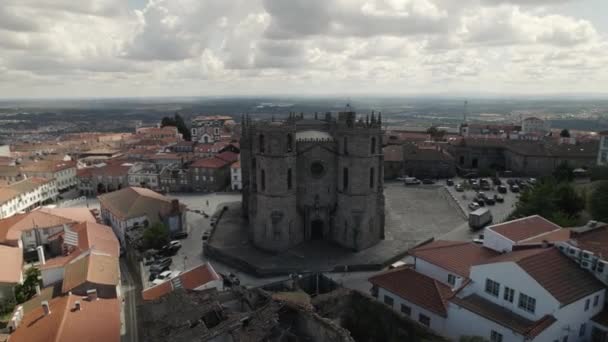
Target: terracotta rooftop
236 165
97 320
97 237
209 163
595 241
522 229
454 256
503 316
47 166
393 153
416 288
93 268
12 227
136 202
228 156
555 272
192 279
72 214
12 264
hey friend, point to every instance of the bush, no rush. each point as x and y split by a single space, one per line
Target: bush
557 202
27 290
156 236
598 202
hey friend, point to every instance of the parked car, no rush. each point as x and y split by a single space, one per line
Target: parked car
411 181
180 235
449 182
515 188
163 262
149 261
459 188
496 181
490 201
478 239
481 202
206 235
502 189
428 181
158 269
175 244
473 205
498 198
511 181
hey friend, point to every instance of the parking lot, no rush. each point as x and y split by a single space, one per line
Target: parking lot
500 211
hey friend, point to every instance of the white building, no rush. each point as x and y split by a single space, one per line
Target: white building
145 175
209 129
132 207
531 230
602 156
236 178
26 195
63 172
463 289
534 125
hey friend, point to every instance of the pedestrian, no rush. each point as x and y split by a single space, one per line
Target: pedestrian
207 202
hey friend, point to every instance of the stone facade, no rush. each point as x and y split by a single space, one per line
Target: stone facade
315 179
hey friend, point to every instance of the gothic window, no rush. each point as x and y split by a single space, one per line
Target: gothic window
345 179
263 179
289 143
371 178
373 146
261 143
345 145
289 180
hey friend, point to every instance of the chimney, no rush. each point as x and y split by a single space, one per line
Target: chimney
91 295
46 308
37 290
41 258
77 305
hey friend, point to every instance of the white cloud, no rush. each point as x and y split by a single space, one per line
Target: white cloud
178 47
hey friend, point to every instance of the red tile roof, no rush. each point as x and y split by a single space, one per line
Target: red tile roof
555 272
209 163
236 165
92 268
12 227
97 237
503 316
524 228
97 320
191 280
454 256
228 156
416 288
12 264
595 241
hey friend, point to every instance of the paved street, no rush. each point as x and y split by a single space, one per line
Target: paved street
131 292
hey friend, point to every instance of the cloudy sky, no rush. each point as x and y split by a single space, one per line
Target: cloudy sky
107 48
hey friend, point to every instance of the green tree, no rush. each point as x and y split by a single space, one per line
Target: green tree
27 290
564 133
178 122
436 133
564 172
156 236
598 202
558 202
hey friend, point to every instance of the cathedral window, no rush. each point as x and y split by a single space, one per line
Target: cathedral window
371 178
263 180
289 143
345 179
261 143
345 145
289 179
373 146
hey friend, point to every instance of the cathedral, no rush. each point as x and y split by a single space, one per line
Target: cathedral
313 179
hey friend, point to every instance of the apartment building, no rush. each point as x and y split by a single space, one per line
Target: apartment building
26 195
63 172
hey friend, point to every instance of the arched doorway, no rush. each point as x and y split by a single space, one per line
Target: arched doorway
316 230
